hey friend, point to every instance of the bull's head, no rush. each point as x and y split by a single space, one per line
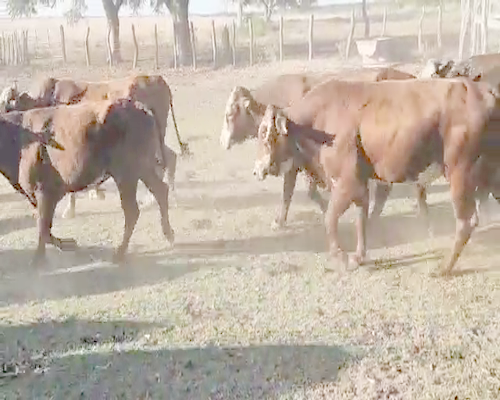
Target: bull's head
239 120
273 156
437 69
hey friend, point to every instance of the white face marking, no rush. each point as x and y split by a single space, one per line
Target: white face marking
429 70
261 167
225 135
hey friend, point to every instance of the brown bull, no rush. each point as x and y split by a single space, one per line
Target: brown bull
346 133
117 139
244 112
152 91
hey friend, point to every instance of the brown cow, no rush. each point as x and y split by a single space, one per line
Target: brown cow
117 139
346 133
152 91
244 113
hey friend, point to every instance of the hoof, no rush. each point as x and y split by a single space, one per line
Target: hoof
169 235
38 261
356 260
441 273
67 244
341 257
68 214
118 257
277 225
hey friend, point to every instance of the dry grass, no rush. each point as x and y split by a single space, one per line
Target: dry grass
236 310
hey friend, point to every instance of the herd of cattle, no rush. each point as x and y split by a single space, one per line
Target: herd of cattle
382 126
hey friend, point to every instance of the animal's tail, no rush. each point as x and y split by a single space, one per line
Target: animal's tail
160 141
184 146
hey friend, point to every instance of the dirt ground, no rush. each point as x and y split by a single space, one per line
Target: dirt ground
235 310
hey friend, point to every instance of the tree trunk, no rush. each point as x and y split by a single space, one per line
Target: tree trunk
181 28
111 9
305 5
366 19
268 11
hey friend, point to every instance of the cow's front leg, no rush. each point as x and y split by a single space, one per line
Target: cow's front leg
46 204
289 180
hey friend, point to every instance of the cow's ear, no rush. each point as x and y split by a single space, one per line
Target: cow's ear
281 123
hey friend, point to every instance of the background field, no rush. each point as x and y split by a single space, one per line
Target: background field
235 310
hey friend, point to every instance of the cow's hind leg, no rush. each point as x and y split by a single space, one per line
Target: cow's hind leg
289 180
160 190
171 165
423 209
465 209
315 196
381 193
69 211
128 191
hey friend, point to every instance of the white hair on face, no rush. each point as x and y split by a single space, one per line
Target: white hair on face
7 95
430 69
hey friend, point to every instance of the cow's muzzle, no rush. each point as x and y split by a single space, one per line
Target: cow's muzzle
260 174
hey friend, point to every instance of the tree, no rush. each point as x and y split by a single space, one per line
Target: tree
271 5
19 8
365 18
177 8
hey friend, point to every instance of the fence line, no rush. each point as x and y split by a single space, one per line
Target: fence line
19 47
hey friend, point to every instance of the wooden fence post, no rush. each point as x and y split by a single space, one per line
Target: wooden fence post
63 43
136 48
233 43
464 25
17 56
156 46
225 41
214 45
311 37
250 29
175 46
193 45
87 51
384 22
440 27
25 47
420 27
108 45
484 25
281 38
351 34
36 43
